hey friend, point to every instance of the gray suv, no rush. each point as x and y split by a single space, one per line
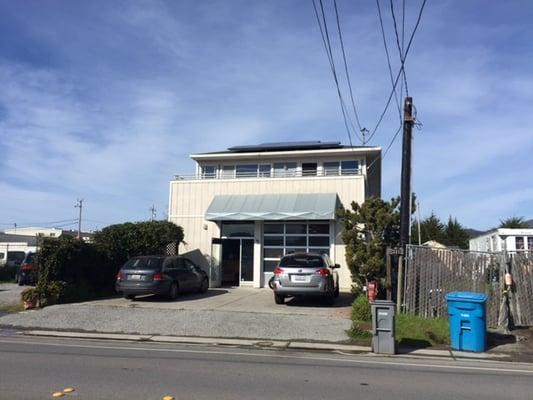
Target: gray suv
306 274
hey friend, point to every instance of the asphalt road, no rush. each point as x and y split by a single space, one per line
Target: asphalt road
34 368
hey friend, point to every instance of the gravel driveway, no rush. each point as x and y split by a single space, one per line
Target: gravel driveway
10 293
289 322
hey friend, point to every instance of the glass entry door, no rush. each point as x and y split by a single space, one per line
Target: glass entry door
237 260
247 260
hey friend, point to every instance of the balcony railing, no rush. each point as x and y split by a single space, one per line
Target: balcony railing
270 175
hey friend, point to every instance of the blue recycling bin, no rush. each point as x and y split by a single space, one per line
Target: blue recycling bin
468 321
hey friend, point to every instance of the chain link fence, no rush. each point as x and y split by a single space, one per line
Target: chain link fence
431 273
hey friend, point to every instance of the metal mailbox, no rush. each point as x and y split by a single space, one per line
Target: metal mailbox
383 327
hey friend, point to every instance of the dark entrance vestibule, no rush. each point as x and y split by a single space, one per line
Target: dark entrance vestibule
237 253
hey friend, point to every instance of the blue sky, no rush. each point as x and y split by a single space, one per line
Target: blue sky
105 100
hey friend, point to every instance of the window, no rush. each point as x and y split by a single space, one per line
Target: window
274 228
209 171
530 243
237 229
2 255
309 169
281 239
264 170
349 167
302 262
140 263
331 168
246 171
228 171
519 243
296 228
285 169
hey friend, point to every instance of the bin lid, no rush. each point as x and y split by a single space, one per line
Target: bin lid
472 297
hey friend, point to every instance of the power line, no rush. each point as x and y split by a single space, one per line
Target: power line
400 51
327 46
31 224
400 71
388 59
382 157
346 68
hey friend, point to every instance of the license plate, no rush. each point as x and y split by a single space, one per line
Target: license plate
300 278
135 277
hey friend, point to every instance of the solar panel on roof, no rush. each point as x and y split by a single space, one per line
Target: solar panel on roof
304 145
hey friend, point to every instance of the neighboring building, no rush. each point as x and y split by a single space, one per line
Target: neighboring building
34 231
48 232
516 239
15 246
246 207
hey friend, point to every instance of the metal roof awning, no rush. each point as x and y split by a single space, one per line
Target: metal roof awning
258 207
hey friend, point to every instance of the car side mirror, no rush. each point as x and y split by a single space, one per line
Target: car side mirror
336 266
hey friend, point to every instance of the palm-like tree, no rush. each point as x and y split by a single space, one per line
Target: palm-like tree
513 222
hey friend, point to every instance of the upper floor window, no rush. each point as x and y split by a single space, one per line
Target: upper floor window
209 171
348 167
246 171
285 169
331 168
530 243
308 169
227 171
519 243
264 170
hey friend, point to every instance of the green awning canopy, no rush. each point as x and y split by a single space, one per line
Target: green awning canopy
258 207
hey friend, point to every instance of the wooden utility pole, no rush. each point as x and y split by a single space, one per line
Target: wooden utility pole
79 205
405 196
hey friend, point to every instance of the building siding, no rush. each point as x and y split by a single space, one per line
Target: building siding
189 199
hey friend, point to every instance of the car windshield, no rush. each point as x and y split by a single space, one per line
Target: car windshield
29 258
15 255
151 263
302 261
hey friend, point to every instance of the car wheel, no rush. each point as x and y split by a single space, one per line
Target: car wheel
173 291
21 282
279 299
336 293
330 299
204 286
130 297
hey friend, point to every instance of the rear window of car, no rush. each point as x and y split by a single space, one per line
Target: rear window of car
15 255
151 263
29 258
302 261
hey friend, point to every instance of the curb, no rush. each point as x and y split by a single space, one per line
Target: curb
265 344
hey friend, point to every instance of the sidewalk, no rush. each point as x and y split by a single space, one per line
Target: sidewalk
270 344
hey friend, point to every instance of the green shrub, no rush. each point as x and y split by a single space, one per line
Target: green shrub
71 270
120 242
7 273
361 309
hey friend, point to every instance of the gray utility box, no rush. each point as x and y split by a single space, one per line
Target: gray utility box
383 327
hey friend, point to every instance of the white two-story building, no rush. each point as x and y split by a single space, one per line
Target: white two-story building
247 206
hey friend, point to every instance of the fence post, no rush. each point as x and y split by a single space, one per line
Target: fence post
389 273
400 284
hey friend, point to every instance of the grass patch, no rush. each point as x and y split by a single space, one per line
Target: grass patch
11 308
411 330
416 331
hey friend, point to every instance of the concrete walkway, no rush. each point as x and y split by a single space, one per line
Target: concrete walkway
239 300
222 313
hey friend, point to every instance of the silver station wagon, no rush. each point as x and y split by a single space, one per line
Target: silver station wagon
306 274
